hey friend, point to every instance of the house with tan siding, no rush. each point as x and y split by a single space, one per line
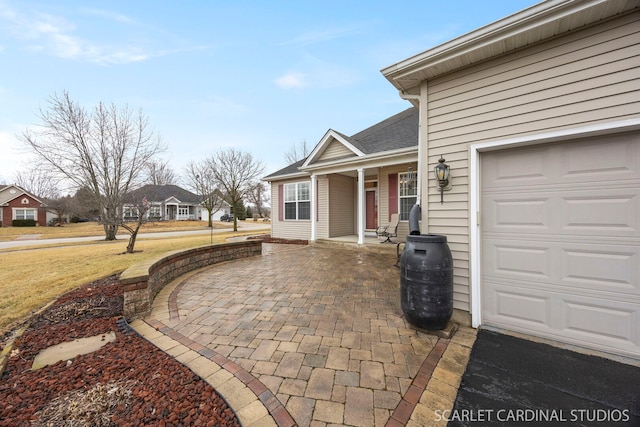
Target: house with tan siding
538 117
349 185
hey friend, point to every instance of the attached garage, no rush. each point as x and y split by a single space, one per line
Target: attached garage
560 241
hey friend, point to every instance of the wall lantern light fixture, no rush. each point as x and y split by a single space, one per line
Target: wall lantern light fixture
441 171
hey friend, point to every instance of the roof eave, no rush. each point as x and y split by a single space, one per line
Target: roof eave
387 156
531 25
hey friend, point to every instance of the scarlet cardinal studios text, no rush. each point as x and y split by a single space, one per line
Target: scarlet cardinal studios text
534 415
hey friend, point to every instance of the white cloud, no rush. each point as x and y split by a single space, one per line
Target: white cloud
325 35
292 80
113 16
56 36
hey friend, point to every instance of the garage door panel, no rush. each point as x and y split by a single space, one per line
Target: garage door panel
521 307
602 323
560 250
517 260
605 212
552 262
617 159
601 320
606 268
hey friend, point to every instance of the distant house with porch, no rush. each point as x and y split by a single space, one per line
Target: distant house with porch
349 185
169 202
17 203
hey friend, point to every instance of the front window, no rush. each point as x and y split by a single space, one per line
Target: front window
297 201
154 211
26 214
130 212
408 191
183 211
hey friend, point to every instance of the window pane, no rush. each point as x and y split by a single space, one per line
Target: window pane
290 192
303 191
290 210
406 204
304 210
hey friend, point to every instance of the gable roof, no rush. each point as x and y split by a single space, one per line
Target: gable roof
396 132
6 195
160 193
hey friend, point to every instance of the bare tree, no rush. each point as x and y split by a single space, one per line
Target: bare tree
104 151
258 196
201 179
142 207
235 173
159 173
297 152
61 207
38 182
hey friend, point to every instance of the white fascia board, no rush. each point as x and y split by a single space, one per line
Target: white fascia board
484 38
287 176
376 160
326 140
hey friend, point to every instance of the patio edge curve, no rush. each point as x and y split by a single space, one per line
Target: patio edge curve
143 281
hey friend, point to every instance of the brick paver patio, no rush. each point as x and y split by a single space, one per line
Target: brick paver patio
309 335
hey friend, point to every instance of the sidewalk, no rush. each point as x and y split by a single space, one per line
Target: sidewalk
309 336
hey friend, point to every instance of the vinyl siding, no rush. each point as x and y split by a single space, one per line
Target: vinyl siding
286 229
586 77
335 150
322 215
342 196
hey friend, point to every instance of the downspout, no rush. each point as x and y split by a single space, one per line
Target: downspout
415 214
415 98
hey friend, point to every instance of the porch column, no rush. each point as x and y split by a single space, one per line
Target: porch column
360 208
314 207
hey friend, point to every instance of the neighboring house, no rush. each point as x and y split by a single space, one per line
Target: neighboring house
16 203
349 184
538 117
169 202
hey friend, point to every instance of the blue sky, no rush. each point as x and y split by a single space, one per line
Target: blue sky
259 76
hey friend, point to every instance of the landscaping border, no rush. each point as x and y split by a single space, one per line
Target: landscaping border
144 280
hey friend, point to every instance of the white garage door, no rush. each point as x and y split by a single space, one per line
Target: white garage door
560 231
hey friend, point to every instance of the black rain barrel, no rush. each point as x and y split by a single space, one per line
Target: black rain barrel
426 281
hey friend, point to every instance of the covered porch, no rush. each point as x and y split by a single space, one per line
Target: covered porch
349 205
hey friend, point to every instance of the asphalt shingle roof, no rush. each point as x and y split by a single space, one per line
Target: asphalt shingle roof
396 132
159 193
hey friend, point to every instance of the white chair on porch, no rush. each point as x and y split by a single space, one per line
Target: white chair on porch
388 231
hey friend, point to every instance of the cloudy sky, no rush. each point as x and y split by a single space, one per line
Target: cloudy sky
259 76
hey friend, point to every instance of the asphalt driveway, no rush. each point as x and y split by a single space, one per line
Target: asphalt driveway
512 381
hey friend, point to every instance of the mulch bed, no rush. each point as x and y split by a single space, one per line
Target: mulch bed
128 382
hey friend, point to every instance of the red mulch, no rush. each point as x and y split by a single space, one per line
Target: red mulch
163 392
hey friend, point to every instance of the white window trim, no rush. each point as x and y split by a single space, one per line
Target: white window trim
601 129
284 201
35 213
406 197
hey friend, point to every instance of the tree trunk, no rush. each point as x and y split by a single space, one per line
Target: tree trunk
132 239
110 231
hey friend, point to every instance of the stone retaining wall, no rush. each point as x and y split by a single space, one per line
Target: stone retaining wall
143 281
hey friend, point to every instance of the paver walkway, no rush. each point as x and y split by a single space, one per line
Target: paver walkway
309 335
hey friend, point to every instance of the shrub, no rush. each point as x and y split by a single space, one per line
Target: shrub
24 223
